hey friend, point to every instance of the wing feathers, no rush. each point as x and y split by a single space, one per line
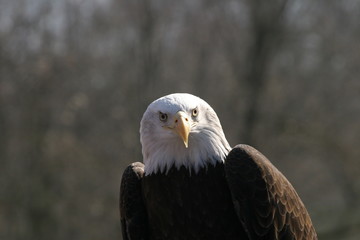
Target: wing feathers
132 209
268 205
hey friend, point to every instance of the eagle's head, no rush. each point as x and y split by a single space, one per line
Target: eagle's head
181 130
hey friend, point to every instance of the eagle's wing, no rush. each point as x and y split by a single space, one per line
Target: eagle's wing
132 208
265 201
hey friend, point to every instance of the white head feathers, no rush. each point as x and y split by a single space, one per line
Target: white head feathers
162 148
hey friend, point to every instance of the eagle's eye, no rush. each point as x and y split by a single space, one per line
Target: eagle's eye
195 112
163 116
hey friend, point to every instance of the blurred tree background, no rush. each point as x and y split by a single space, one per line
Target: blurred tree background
76 77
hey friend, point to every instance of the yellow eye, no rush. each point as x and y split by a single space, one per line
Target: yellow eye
163 116
195 112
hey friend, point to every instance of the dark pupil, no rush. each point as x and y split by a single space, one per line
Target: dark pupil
163 116
195 111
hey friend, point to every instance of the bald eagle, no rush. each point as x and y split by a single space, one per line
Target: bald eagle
193 185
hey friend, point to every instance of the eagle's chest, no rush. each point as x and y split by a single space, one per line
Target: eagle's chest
188 204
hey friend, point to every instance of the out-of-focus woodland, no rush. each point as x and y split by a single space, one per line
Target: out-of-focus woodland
76 77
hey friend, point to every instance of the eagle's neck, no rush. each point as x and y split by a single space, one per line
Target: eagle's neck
161 155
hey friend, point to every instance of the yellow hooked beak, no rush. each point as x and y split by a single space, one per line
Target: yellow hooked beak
182 126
